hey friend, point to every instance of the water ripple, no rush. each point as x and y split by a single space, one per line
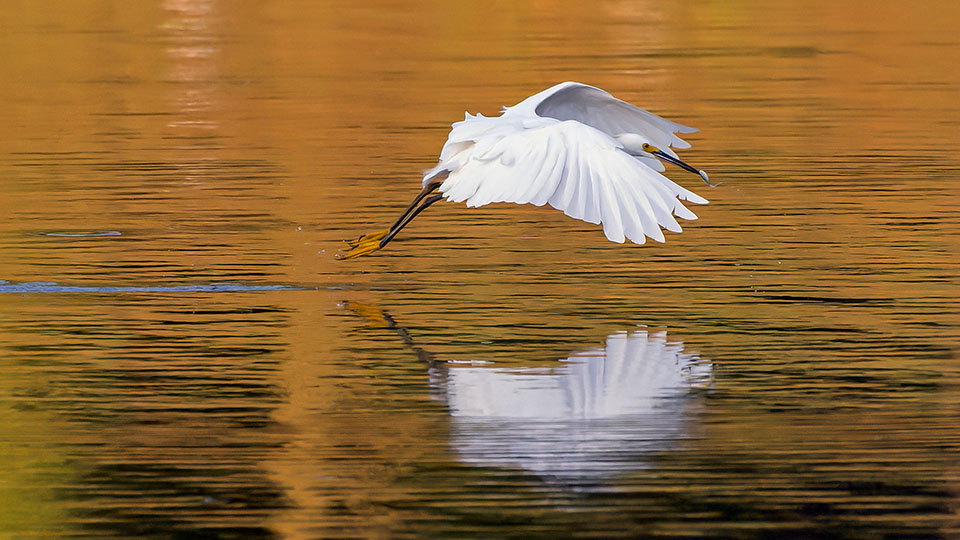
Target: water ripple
9 287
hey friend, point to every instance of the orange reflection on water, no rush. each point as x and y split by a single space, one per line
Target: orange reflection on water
242 141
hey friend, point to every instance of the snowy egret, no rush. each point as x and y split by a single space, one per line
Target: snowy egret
574 146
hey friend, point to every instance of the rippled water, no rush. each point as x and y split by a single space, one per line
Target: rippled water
182 357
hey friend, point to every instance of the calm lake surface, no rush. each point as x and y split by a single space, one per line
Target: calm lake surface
182 357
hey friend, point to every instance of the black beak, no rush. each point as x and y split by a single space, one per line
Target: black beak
670 159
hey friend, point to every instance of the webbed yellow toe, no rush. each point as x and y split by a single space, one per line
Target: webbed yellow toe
369 237
365 247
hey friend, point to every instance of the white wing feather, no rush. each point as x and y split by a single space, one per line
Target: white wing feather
598 109
574 167
559 147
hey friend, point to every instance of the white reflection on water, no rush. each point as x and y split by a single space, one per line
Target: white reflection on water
593 413
194 48
600 411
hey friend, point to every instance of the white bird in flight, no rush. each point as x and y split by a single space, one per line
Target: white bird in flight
574 146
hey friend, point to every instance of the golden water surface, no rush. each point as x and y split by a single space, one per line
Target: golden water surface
182 357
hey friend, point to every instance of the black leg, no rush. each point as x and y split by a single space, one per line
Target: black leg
371 242
423 193
408 218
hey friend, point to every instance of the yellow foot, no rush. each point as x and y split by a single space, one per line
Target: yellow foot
369 237
365 247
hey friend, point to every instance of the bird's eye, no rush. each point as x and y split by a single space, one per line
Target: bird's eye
646 147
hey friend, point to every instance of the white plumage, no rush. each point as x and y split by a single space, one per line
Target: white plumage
572 146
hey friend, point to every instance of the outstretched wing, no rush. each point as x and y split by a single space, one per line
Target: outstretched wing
573 167
598 109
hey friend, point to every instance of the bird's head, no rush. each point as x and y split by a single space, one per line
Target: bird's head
649 148
636 145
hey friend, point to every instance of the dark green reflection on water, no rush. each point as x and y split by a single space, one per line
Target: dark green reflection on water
165 415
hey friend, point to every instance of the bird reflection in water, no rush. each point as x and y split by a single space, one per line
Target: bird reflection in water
591 414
